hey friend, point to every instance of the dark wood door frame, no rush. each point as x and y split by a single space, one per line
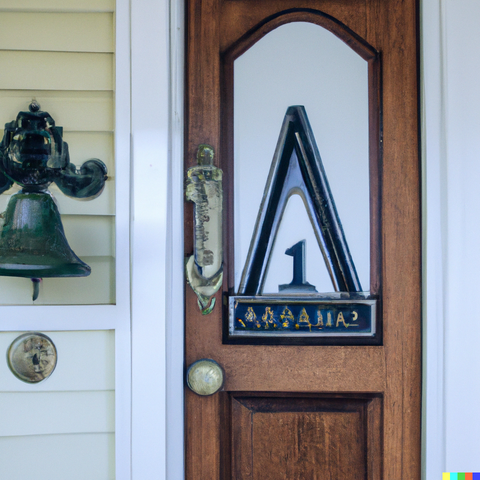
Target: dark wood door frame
383 382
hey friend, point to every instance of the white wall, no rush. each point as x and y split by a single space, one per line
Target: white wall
451 136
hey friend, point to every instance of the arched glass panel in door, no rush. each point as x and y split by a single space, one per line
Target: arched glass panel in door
302 67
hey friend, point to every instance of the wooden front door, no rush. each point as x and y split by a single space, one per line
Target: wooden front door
340 410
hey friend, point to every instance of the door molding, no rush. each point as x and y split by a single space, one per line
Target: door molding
175 277
397 369
156 40
433 90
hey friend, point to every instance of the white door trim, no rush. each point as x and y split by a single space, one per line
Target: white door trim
157 239
122 324
434 187
175 252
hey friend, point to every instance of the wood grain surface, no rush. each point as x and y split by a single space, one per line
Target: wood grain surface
302 437
378 387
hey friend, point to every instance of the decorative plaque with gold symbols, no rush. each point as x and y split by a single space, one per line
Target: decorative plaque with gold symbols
298 312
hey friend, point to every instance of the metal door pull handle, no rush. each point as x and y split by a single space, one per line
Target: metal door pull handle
205 267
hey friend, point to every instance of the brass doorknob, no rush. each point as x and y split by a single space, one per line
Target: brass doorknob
205 377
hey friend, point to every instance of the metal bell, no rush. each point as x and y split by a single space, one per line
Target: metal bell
33 243
32 240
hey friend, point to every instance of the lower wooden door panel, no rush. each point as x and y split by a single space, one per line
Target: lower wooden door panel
304 437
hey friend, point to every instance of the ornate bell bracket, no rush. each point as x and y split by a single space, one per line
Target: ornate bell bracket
32 240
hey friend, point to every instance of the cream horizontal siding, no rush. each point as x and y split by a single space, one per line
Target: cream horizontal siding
72 412
90 236
64 426
85 145
102 205
96 289
69 32
58 457
61 53
57 5
85 363
75 111
56 71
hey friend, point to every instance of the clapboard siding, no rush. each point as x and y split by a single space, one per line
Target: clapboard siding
96 289
61 412
69 70
64 425
56 71
68 32
57 5
90 236
58 457
85 145
75 111
86 362
102 205
61 53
